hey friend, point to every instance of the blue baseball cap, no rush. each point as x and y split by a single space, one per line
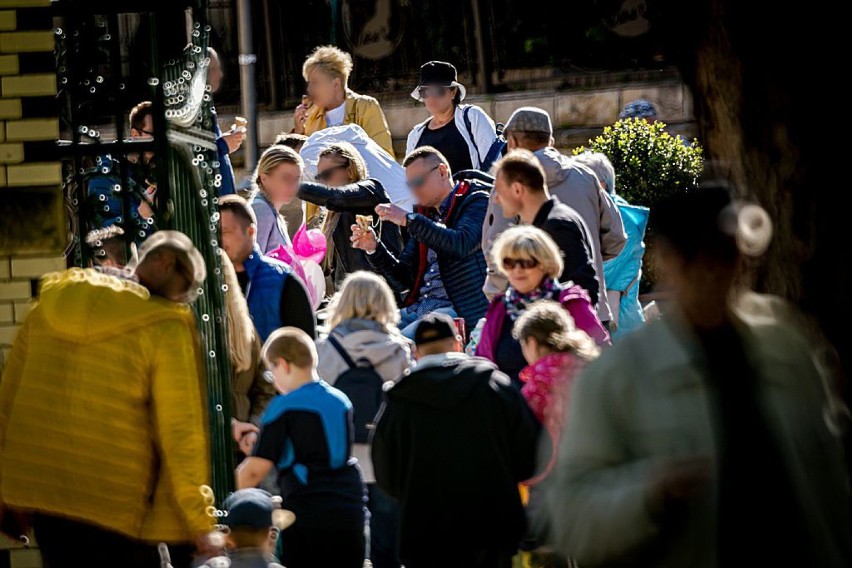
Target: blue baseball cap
639 108
250 508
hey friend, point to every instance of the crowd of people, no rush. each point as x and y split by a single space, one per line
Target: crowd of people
478 387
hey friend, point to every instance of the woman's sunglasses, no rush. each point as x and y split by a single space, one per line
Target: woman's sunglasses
426 92
522 263
326 173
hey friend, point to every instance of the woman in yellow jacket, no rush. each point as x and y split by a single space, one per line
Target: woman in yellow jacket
330 102
102 415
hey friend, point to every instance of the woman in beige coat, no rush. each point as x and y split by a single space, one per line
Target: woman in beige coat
363 318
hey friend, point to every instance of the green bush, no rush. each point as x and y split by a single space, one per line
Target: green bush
649 162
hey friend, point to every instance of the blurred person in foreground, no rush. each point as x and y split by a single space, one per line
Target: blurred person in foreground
103 433
703 439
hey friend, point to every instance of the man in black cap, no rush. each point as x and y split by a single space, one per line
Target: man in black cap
464 133
451 444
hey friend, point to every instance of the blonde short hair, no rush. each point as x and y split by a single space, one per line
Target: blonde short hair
291 344
331 61
273 157
364 295
528 242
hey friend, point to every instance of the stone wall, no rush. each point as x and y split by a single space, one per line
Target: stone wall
577 114
32 219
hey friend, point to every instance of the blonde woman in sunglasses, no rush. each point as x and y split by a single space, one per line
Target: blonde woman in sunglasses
529 258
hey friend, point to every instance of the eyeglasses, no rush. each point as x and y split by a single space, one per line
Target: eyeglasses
522 263
426 92
326 173
415 183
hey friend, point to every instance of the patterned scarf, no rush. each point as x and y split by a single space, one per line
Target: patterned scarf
517 303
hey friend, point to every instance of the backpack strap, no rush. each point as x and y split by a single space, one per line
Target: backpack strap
466 115
339 348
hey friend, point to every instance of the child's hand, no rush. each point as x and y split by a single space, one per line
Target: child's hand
209 544
247 443
240 429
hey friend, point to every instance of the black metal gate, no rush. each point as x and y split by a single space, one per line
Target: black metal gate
178 157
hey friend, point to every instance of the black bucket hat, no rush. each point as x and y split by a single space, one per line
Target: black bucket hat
441 74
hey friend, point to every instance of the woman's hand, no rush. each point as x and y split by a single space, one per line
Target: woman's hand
299 118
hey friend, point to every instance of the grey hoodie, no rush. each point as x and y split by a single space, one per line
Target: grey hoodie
390 355
576 186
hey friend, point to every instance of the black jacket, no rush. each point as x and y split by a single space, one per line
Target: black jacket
358 198
571 235
458 244
451 444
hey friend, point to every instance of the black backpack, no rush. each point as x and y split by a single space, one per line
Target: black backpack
363 385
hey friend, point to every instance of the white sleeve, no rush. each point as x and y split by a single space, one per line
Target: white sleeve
484 131
414 136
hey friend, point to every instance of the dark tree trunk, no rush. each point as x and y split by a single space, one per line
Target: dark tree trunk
771 113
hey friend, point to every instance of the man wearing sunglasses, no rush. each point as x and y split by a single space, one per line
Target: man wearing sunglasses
530 128
442 267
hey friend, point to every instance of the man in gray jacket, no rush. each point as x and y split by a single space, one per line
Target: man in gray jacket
573 184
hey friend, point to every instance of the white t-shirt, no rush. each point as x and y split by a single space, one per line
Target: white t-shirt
334 117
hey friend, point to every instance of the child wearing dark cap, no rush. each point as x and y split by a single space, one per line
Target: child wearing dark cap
251 532
307 434
451 444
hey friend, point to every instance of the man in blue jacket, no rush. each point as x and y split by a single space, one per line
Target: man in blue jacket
276 298
442 267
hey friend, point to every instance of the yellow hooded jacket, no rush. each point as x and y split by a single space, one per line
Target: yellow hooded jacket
102 414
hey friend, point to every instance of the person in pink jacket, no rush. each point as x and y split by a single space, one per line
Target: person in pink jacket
557 352
531 261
